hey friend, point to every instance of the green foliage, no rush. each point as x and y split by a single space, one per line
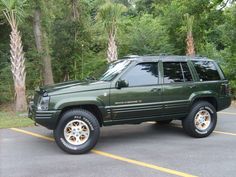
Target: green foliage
224 48
148 36
15 6
109 14
75 53
189 22
6 83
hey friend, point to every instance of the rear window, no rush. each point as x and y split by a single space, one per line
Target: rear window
206 70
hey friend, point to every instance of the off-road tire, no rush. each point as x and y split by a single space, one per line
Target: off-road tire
85 118
190 124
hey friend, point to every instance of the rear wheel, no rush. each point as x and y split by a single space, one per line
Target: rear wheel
77 132
201 120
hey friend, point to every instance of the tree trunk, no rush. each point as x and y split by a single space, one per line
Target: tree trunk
190 51
74 10
17 63
41 41
75 15
112 48
21 104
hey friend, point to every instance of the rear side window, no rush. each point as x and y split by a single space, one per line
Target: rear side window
206 70
176 72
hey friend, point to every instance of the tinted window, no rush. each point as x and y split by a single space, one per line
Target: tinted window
172 72
114 69
186 71
206 70
142 74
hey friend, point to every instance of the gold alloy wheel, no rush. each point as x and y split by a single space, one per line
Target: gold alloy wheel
202 120
76 132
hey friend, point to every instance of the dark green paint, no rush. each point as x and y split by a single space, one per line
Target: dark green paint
132 104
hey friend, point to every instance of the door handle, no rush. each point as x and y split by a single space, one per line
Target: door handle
156 90
192 86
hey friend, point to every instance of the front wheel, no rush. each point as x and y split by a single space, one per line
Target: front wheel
77 131
201 120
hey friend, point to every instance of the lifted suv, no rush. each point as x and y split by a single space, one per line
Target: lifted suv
134 90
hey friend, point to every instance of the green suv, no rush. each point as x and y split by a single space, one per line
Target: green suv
134 90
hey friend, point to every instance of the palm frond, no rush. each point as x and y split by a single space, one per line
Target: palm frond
189 21
109 12
15 6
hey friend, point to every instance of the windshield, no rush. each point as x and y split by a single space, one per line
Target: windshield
114 69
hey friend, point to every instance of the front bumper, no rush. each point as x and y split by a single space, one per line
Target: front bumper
47 119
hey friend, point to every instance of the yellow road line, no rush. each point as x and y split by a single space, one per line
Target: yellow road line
143 164
215 131
226 133
230 113
33 134
116 157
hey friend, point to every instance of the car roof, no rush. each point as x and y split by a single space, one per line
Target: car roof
173 58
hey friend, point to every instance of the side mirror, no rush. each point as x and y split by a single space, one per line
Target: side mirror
121 83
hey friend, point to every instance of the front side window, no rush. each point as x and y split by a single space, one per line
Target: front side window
206 70
142 74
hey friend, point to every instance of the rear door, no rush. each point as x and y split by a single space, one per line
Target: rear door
178 86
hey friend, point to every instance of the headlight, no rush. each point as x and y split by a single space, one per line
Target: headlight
43 104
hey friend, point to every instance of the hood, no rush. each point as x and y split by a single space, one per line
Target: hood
74 86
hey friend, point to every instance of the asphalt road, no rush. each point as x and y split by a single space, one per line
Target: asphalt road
143 150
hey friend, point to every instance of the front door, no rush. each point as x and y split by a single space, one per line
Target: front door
142 98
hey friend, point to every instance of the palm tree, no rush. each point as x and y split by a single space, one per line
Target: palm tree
13 10
109 13
190 50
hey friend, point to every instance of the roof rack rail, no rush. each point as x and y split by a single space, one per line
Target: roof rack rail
158 54
164 54
131 56
200 56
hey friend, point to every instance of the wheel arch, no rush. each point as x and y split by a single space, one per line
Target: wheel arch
210 99
94 109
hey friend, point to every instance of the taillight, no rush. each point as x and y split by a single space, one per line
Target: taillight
225 89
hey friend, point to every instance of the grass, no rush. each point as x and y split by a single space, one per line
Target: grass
11 119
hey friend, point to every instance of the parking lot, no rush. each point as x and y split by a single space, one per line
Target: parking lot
143 150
